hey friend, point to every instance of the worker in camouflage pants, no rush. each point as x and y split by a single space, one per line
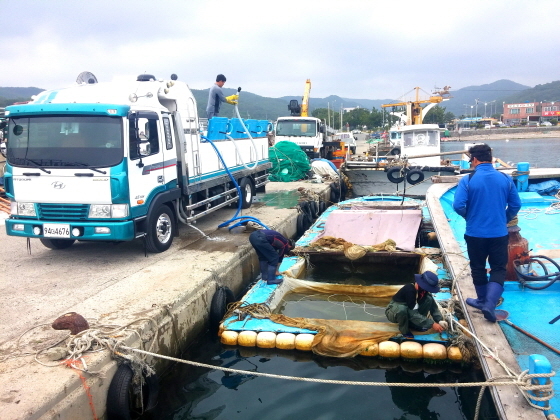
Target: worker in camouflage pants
411 305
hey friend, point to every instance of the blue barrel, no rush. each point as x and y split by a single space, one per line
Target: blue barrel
252 126
237 130
523 180
217 128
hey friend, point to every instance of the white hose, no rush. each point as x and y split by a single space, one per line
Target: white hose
252 141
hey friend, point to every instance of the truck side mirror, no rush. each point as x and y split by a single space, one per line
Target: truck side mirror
144 148
321 129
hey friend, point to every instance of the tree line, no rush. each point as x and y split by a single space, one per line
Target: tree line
362 118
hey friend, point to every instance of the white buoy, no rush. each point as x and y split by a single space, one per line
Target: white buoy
434 351
411 350
304 341
286 341
229 338
454 354
372 350
266 340
247 339
389 349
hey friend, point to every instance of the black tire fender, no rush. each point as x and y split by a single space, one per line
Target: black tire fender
307 222
393 175
414 176
119 401
223 296
322 207
395 151
300 229
314 209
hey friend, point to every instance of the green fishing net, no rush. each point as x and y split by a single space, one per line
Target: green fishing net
289 162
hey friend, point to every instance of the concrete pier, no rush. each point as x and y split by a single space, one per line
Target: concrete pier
118 285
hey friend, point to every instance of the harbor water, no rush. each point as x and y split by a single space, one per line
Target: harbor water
188 392
540 153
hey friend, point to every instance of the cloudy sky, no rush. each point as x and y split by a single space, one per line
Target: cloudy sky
368 49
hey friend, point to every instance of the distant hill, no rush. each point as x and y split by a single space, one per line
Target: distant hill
463 98
9 95
260 107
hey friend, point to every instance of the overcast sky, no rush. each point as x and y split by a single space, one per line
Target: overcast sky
355 49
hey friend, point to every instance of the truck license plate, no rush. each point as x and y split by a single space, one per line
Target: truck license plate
56 231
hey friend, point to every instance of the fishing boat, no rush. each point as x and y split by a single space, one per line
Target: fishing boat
526 334
347 239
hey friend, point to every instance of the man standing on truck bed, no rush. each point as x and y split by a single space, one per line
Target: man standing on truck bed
216 97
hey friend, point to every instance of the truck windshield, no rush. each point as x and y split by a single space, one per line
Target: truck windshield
296 128
65 140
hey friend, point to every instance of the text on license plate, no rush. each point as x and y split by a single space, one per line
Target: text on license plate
56 231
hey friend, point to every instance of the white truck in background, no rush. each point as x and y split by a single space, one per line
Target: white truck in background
119 161
307 132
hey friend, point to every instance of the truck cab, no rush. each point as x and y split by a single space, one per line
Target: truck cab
307 132
120 161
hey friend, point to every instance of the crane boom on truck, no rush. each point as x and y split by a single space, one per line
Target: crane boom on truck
119 161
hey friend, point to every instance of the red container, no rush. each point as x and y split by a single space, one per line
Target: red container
517 245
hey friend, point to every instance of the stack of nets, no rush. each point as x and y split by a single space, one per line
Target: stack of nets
289 162
351 251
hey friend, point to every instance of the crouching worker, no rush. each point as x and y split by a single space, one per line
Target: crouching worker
271 247
411 304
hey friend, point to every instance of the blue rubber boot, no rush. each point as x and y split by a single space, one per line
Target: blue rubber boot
264 270
272 277
480 294
493 293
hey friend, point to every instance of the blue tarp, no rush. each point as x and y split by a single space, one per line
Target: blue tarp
545 188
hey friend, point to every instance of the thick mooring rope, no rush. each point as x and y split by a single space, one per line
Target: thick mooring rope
523 381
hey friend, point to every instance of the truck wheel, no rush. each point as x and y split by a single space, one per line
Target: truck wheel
57 243
161 229
247 192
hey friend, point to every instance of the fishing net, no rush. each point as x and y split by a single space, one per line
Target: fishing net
351 251
334 338
289 162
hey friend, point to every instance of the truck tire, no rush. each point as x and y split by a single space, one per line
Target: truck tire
353 150
161 229
57 243
247 192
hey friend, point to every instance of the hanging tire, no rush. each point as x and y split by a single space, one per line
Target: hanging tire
300 228
121 402
343 190
414 176
218 307
247 192
307 222
393 175
322 207
160 230
314 209
395 151
335 193
57 243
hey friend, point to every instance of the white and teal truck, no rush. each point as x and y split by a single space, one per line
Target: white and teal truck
120 161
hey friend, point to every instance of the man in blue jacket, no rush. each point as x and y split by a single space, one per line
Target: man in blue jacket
488 200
